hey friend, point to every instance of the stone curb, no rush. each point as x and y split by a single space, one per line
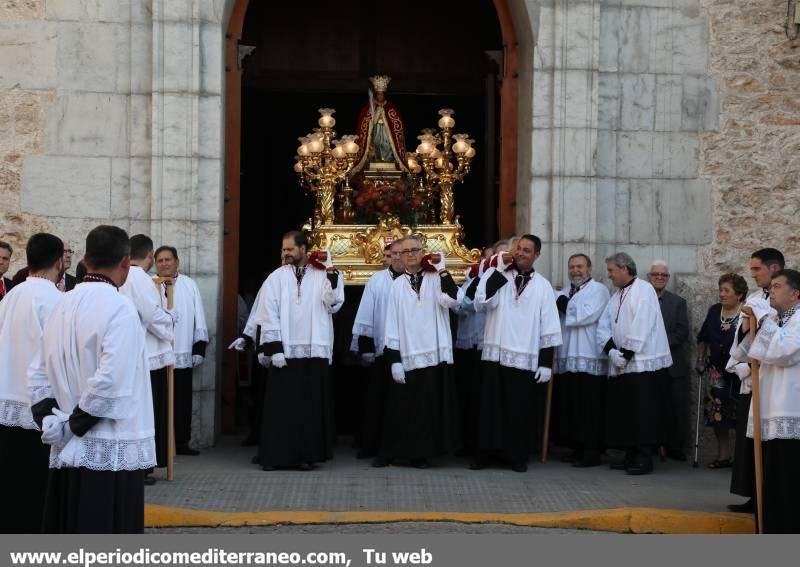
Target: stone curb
620 520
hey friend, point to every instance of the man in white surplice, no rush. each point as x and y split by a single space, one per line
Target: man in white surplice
521 332
158 325
421 418
101 428
295 314
632 333
23 474
579 393
191 340
369 341
777 348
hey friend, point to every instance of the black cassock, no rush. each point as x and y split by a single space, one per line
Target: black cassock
23 474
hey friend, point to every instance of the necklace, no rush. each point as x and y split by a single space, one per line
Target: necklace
727 322
299 274
91 277
622 295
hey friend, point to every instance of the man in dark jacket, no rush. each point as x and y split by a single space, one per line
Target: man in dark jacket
5 261
676 395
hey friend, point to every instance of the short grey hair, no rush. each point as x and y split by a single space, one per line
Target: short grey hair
623 260
659 264
415 237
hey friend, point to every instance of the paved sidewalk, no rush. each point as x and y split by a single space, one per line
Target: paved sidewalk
223 480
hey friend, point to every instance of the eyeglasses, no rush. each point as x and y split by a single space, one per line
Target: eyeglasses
410 251
658 275
67 252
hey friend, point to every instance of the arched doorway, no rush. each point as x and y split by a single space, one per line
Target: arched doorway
302 61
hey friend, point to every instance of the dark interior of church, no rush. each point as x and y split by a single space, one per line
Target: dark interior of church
309 55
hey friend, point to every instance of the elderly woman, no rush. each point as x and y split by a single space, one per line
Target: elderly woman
714 345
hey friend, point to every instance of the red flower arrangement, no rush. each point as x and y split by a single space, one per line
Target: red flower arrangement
386 197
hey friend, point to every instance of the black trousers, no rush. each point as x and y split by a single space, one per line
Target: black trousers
743 473
23 476
183 406
158 386
83 501
781 493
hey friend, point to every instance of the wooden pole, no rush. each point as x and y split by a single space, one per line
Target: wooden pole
756 405
546 433
170 387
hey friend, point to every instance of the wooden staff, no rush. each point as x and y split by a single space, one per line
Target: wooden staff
756 405
546 433
170 384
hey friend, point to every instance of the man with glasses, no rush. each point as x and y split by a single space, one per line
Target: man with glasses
676 323
369 341
67 281
5 261
421 417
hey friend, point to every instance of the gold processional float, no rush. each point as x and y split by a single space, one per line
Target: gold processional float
369 190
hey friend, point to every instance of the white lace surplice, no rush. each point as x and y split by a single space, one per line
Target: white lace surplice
23 313
156 322
516 329
420 327
371 316
636 324
579 351
191 326
301 322
94 357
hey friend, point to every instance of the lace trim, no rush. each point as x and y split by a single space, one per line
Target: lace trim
270 336
200 335
14 413
776 428
584 364
509 358
633 344
183 360
98 406
105 454
307 351
363 330
393 344
39 393
162 360
427 359
552 340
648 365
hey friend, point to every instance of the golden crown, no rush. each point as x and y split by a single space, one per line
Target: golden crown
380 83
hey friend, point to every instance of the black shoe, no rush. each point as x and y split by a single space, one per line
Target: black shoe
186 450
366 454
305 467
477 465
255 460
250 442
519 467
420 464
570 457
267 468
744 508
150 481
619 466
381 462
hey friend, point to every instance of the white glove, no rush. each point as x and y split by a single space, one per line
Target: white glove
329 295
439 266
616 358
398 374
278 360
263 360
238 344
368 358
329 262
173 313
742 370
543 375
501 265
197 360
760 307
55 428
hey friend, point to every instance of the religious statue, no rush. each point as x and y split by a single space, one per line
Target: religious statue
380 131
